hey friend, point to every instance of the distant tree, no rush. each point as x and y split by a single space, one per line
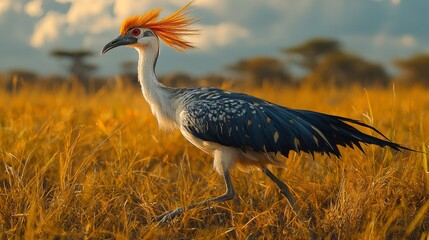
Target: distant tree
342 69
260 69
178 79
89 69
213 80
17 77
414 69
22 74
78 67
309 54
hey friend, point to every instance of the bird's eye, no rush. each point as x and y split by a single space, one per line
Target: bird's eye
135 32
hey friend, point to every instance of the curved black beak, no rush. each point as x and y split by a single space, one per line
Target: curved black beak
119 41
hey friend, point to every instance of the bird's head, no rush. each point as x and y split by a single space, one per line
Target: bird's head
145 30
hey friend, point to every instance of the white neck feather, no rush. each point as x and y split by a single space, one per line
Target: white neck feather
157 95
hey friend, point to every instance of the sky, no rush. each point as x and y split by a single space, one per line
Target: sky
378 30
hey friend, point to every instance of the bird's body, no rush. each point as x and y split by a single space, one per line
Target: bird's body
232 127
201 115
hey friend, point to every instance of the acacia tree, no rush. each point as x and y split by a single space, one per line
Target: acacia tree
78 68
179 79
342 69
415 69
310 53
260 69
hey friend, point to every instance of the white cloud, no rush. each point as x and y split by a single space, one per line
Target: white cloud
34 8
89 17
393 2
125 8
14 5
408 40
101 24
213 5
83 13
89 41
219 35
17 6
383 39
379 39
396 2
93 17
47 29
84 16
5 5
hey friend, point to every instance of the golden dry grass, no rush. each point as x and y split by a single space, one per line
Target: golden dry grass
96 166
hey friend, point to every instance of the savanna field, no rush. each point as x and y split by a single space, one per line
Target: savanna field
96 166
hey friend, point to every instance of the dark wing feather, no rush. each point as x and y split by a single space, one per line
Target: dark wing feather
243 121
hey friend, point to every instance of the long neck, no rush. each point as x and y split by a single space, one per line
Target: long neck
157 95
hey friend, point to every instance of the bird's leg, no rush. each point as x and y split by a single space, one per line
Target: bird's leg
228 195
284 189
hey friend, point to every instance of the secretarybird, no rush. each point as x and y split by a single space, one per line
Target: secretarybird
232 127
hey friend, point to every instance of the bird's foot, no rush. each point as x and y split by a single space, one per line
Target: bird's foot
169 215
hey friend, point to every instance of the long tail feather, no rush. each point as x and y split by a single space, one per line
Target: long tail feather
338 132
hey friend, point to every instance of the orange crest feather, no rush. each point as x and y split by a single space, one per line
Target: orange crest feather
170 29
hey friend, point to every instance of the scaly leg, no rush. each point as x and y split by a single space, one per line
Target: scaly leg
284 189
228 195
